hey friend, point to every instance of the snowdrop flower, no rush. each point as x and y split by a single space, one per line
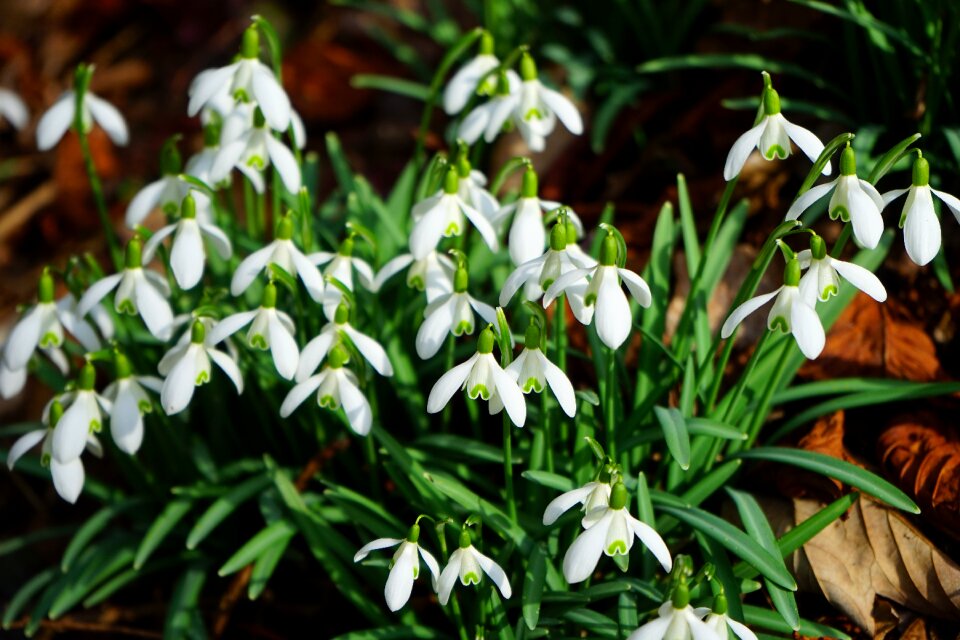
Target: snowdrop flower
574 250
469 565
441 216
791 313
482 377
200 164
611 533
718 620
187 254
62 115
168 192
67 477
534 372
405 566
822 279
139 291
677 620
269 329
187 366
130 402
536 108
536 276
593 496
283 253
340 267
473 187
42 328
317 349
527 236
490 118
919 221
432 274
853 200
466 81
83 417
335 386
252 152
451 313
772 138
248 79
603 297
241 117
13 109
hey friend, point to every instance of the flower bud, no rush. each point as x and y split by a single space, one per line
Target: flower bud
791 274
528 68
87 377
608 251
197 332
921 172
771 101
618 496
250 48
45 287
485 341
848 162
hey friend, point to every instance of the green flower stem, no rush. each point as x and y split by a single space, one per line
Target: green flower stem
610 404
454 601
116 255
261 215
508 466
842 241
548 412
248 208
560 358
755 357
760 412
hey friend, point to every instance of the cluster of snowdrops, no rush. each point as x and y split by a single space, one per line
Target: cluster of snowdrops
249 125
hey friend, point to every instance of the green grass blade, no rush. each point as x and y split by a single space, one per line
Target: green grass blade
262 541
161 528
533 580
224 506
766 619
675 433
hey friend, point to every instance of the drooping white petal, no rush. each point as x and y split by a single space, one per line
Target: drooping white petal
400 581
301 392
921 229
23 444
12 381
70 434
500 111
527 236
510 395
271 98
108 117
807 198
564 502
449 576
806 328
144 202
741 150
496 573
952 202
475 123
582 556
637 287
563 282
309 275
520 276
230 325
285 164
187 257
872 192
313 354
564 108
435 327
448 384
227 158
865 217
375 545
13 108
228 366
23 339
464 82
432 565
482 224
612 316
153 242
248 270
890 196
744 310
861 278
55 122
485 311
96 292
371 350
390 269
283 348
207 84
807 141
126 422
561 387
219 240
698 628
154 309
356 407
179 385
67 478
652 541
653 630
740 630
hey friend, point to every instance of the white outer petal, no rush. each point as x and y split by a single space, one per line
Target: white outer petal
371 350
807 142
564 108
375 545
108 117
561 386
510 394
448 384
285 164
496 573
229 367
68 479
745 309
564 502
55 122
283 348
301 392
807 198
806 328
356 407
271 98
612 317
583 555
23 444
861 278
741 150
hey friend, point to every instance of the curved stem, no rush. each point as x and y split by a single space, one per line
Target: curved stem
508 467
112 244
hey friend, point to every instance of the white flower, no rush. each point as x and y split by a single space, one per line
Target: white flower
527 238
200 163
772 138
67 477
283 253
489 118
340 267
130 402
240 119
441 216
249 79
61 116
187 254
433 274
718 623
593 496
139 291
822 278
317 349
466 81
269 329
603 297
13 109
254 151
537 108
482 377
790 313
405 566
853 200
187 366
473 189
83 417
450 313
533 372
919 221
466 563
166 194
672 623
335 386
611 533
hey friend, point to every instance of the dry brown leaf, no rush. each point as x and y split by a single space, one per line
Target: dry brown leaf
880 340
872 551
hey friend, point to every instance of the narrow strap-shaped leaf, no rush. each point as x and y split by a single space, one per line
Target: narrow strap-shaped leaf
183 612
161 527
26 593
390 84
735 540
533 586
887 160
257 545
549 480
224 506
837 469
264 566
714 429
93 526
766 619
675 433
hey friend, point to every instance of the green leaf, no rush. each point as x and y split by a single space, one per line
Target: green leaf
596 623
837 469
766 619
886 162
714 429
183 611
869 23
675 433
401 632
26 593
817 169
549 480
533 586
273 534
339 162
20 542
273 43
729 61
93 526
735 540
264 566
399 86
224 506
755 522
161 527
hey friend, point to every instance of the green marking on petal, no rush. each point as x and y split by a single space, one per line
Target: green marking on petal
546 283
479 390
780 323
145 406
532 384
453 229
329 402
49 340
202 378
256 162
829 290
95 426
45 459
170 208
533 113
775 151
471 578
841 212
417 283
127 306
465 327
416 571
259 342
617 547
590 299
903 219
240 95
